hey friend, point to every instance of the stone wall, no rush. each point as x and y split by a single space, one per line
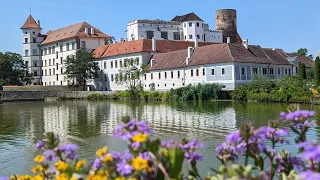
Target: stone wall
42 95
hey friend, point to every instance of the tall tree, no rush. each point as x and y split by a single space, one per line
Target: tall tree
302 73
131 76
13 70
317 71
304 52
81 67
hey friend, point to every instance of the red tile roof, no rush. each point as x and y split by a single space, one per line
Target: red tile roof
73 31
143 45
30 24
217 53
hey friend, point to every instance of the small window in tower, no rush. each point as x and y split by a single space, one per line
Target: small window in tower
190 36
190 24
34 32
185 25
25 40
198 36
198 24
34 40
222 71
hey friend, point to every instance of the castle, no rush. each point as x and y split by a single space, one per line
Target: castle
179 52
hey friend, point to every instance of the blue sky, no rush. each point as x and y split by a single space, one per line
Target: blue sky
287 24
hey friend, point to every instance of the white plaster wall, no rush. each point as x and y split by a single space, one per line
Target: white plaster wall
213 36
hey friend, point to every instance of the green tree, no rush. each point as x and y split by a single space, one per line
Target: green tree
80 68
302 73
131 76
13 71
317 71
302 52
310 73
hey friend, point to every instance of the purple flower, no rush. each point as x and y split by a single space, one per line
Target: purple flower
310 152
116 156
309 175
300 114
193 156
142 127
145 156
50 155
40 144
168 144
192 145
127 156
4 178
135 145
234 137
96 164
68 151
124 168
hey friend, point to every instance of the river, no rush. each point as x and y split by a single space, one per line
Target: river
90 125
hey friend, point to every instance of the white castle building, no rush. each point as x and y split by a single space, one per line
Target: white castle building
187 28
44 54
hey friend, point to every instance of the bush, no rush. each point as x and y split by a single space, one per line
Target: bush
240 93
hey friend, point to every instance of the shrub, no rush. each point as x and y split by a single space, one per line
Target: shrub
240 93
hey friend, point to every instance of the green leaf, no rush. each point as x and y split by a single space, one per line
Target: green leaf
176 157
154 146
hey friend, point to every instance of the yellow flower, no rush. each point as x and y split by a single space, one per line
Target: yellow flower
132 178
164 152
138 163
25 177
107 158
73 178
61 166
37 169
102 151
120 178
96 177
140 138
39 159
62 177
14 177
80 164
38 177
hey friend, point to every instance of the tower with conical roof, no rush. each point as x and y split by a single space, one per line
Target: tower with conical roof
31 48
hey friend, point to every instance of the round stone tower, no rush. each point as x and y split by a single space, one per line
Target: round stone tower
226 21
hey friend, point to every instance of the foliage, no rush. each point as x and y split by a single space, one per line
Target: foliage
304 52
317 71
13 71
80 68
302 71
131 75
310 73
240 93
247 153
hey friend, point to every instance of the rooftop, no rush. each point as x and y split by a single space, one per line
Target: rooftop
187 17
30 24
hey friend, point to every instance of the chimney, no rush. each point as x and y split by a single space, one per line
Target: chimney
142 37
152 62
92 30
228 40
38 22
154 44
189 55
86 30
195 42
245 43
121 39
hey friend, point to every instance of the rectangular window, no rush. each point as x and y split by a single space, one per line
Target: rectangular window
190 24
290 72
26 53
53 50
57 77
165 75
25 40
49 50
61 48
45 51
151 75
203 72
171 74
111 64
53 61
212 72
61 71
159 75
73 46
271 71
190 36
57 66
50 72
34 52
286 71
120 64
242 71
279 71
191 72
45 62
35 64
54 71
67 45
264 70
35 73
83 44
198 24
185 24
45 71
222 71
116 64
145 76
197 72
255 70
150 34
61 61
49 62
198 36
176 36
105 65
112 77
164 35
178 74
34 40
42 52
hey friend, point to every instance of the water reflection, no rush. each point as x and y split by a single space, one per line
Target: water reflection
90 125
